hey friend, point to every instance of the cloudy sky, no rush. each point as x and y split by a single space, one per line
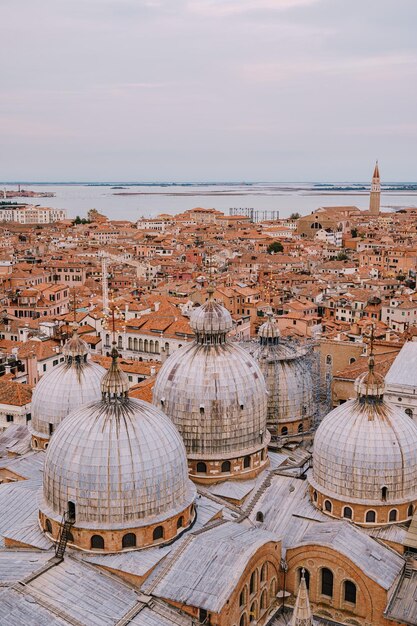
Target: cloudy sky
272 90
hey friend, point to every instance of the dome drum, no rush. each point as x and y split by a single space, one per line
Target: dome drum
121 539
362 513
206 471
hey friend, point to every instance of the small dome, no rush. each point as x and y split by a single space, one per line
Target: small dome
364 446
115 382
121 461
269 331
67 386
211 320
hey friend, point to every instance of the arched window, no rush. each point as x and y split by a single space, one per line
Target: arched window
410 511
253 581
201 467
71 511
370 517
158 533
393 515
263 455
327 582
306 576
70 537
384 493
243 620
264 572
243 597
264 600
151 346
120 342
246 462
329 359
129 343
347 512
180 522
409 412
35 443
253 612
284 431
107 340
140 345
273 589
226 467
349 591
48 526
145 346
129 540
315 496
167 348
328 506
352 360
135 344
156 347
259 516
97 542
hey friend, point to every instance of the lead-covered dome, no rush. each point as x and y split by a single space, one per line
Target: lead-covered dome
120 465
66 387
365 453
215 394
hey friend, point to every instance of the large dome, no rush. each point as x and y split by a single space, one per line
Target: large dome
214 392
365 451
119 461
66 387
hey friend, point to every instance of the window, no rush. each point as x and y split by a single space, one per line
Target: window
259 516
264 600
129 540
347 512
253 612
201 410
306 576
393 515
370 517
35 443
201 467
264 572
409 412
158 533
180 522
352 360
28 417
284 431
202 616
9 418
384 493
226 467
410 510
328 506
48 526
51 429
349 591
243 596
328 359
71 511
315 496
252 584
55 362
327 582
97 542
246 462
300 428
243 620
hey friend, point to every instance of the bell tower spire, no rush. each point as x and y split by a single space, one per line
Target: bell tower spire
302 615
375 195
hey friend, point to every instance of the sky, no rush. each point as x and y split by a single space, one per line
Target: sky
208 90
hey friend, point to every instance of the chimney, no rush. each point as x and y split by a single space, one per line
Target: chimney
153 370
156 306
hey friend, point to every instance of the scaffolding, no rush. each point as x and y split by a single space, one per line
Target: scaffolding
299 391
255 215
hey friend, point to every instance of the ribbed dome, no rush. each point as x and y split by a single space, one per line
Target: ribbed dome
362 446
216 397
122 463
269 331
66 387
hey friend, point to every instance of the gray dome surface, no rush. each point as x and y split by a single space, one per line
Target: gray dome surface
361 447
216 397
62 390
121 462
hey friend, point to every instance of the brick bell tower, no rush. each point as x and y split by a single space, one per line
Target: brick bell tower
375 195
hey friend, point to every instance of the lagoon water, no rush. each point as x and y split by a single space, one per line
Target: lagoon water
150 199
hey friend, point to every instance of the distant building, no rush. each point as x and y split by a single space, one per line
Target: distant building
375 196
28 214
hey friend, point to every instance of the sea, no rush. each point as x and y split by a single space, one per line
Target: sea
133 200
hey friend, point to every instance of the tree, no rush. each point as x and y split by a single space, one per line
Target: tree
342 256
400 277
274 247
295 216
354 232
